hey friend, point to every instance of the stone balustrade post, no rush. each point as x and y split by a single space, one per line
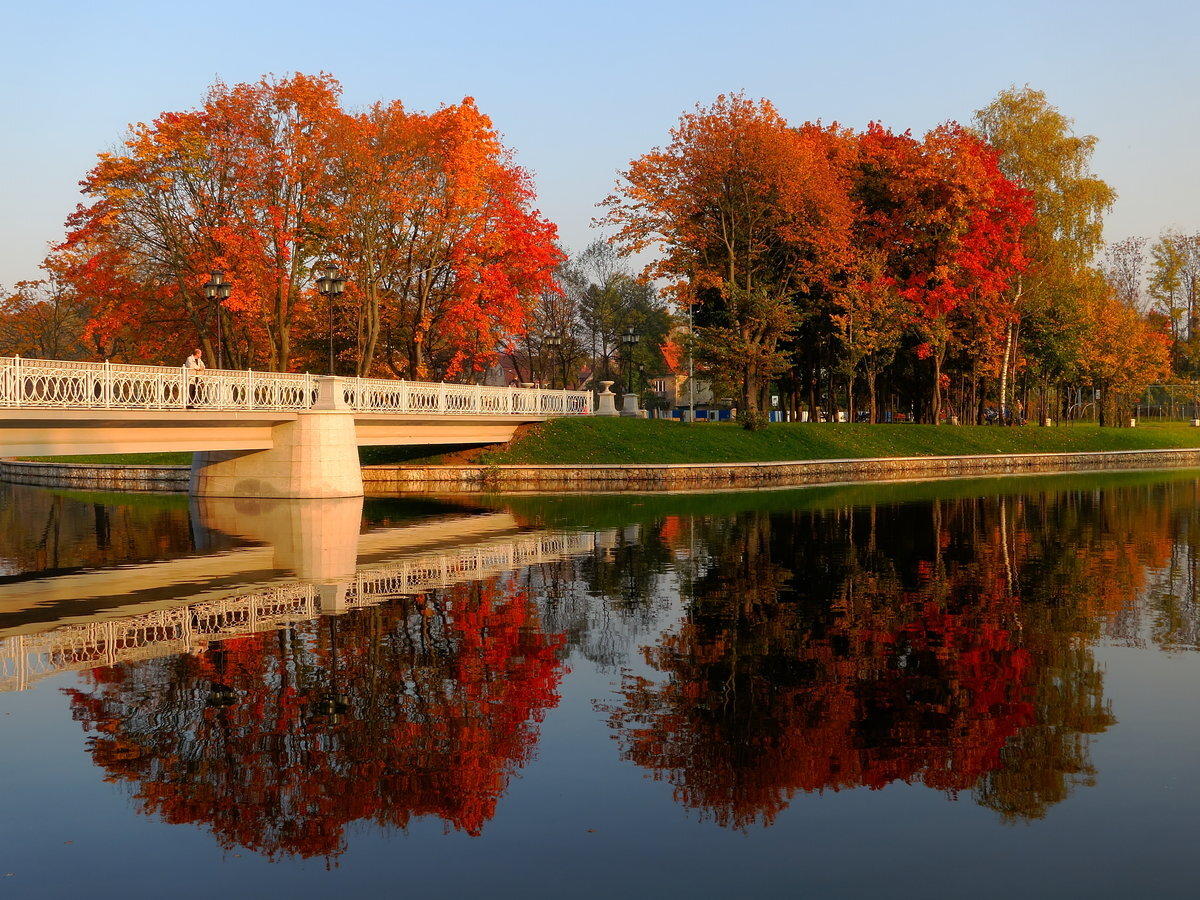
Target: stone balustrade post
607 400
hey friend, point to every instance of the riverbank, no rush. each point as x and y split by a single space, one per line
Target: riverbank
97 476
714 476
587 441
614 454
421 479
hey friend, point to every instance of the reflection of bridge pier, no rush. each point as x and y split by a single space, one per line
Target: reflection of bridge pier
316 539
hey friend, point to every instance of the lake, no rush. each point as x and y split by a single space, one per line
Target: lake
954 688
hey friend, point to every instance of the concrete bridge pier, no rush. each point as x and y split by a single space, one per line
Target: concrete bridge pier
315 456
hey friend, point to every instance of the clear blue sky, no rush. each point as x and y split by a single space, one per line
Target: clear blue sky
578 90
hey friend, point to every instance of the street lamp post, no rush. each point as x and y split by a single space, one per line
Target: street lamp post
330 285
691 370
216 290
629 340
629 404
553 343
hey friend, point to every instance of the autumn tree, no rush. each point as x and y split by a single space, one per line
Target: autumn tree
239 185
1123 351
749 216
1175 289
870 322
446 254
42 318
274 141
137 251
941 226
1039 151
270 182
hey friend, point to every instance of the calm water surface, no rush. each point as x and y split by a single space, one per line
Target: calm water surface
948 689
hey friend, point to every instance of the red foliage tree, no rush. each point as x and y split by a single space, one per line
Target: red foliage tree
946 226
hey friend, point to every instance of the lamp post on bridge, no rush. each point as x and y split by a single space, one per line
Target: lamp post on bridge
330 285
216 290
553 343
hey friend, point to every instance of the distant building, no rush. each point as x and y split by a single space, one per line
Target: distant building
673 388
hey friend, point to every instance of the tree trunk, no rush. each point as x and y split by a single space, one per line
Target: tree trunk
1008 339
938 357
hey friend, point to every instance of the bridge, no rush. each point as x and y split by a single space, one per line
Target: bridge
254 434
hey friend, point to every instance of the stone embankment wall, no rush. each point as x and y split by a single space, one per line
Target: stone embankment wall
378 480
94 477
701 476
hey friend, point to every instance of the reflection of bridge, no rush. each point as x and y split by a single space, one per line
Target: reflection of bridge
256 434
28 657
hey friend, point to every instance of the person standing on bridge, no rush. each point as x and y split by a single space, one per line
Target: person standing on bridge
193 365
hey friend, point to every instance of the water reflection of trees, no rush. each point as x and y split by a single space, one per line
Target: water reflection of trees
421 707
606 601
945 643
46 531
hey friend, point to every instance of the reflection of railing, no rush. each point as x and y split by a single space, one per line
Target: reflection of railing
40 383
27 658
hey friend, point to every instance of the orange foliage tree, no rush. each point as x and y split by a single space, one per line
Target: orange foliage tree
1123 352
445 253
749 217
824 248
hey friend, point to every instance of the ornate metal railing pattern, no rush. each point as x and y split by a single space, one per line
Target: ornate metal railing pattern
380 395
58 384
55 384
27 658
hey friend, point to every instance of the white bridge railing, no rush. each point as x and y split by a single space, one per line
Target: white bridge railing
55 384
381 395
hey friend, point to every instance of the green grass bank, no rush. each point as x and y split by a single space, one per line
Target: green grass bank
594 440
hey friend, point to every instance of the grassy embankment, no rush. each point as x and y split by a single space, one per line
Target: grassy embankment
581 441
592 440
